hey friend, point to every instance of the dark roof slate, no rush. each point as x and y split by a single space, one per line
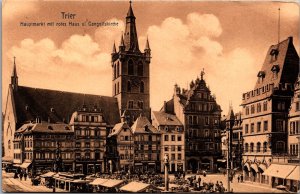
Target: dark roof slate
39 103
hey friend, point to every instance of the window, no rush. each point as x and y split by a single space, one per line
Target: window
9 144
166 148
179 148
77 156
258 147
142 87
87 144
265 147
246 128
206 133
179 138
142 147
77 145
130 67
258 107
281 106
173 148
179 156
140 69
118 70
172 156
141 104
190 120
265 106
258 126
252 128
115 72
252 109
279 125
280 145
173 137
247 110
206 121
118 88
150 137
126 138
166 137
265 125
130 104
128 86
251 147
87 132
297 106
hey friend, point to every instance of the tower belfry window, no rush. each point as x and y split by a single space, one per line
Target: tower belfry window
130 67
140 69
142 89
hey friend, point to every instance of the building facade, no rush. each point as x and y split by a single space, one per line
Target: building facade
172 140
90 131
146 146
198 111
122 141
131 81
265 110
36 145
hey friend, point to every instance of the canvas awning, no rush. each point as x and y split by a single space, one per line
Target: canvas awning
279 170
221 160
295 175
254 167
111 183
7 159
48 174
263 167
247 165
98 181
135 187
25 164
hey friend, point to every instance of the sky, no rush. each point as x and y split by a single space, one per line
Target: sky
228 39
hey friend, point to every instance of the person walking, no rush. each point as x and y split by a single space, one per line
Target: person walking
199 181
238 178
21 176
25 175
242 177
183 175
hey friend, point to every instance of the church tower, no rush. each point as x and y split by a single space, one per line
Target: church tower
130 79
14 76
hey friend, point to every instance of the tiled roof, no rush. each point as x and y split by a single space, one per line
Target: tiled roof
45 127
285 49
163 118
118 127
32 102
168 107
139 126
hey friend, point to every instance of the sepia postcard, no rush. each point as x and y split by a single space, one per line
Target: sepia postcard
150 96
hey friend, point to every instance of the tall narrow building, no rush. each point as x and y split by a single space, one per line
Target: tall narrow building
265 111
130 80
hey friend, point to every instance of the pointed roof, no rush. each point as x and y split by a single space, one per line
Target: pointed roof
14 72
147 47
163 118
130 11
230 114
122 41
143 125
118 127
114 50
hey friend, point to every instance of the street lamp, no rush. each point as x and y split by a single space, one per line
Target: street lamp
230 124
166 163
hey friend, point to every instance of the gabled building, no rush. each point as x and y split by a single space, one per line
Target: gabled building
197 109
146 146
265 111
121 147
34 105
172 140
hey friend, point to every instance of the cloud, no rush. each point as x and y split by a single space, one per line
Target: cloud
181 49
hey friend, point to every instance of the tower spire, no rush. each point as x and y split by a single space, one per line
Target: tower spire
114 50
130 35
147 47
14 76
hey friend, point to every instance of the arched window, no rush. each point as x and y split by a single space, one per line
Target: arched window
114 71
251 147
140 69
142 87
118 70
258 147
246 147
9 146
280 146
128 86
265 147
115 89
130 67
118 88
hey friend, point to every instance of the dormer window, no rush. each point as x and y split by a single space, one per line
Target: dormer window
274 54
275 69
261 75
167 128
